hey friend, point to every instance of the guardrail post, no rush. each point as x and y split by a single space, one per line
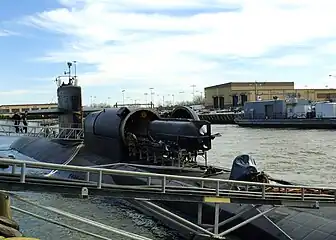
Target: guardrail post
302 194
263 189
23 173
217 188
13 169
149 181
164 184
87 177
216 218
199 214
100 179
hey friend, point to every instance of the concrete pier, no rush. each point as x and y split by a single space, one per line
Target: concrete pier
221 118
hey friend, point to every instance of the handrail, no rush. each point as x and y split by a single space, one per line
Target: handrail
43 131
36 127
164 177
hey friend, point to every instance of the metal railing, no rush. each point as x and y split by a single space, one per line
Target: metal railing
38 131
203 190
205 187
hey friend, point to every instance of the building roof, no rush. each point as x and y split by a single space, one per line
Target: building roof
230 84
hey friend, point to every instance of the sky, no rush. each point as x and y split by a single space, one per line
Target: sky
167 45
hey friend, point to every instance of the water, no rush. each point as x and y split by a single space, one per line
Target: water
302 156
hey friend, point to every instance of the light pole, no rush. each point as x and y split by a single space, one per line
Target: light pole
151 93
92 98
182 98
193 92
173 98
146 94
123 96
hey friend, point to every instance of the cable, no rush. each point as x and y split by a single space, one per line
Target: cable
58 223
78 218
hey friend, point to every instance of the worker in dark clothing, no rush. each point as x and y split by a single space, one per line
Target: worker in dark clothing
16 117
24 121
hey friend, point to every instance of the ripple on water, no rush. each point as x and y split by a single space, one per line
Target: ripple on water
302 156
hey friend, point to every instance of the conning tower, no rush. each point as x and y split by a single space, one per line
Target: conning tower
69 96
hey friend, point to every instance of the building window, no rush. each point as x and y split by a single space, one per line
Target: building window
326 95
4 110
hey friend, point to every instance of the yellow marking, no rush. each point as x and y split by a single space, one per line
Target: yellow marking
217 200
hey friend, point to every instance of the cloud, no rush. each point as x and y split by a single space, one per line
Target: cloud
5 33
146 43
290 61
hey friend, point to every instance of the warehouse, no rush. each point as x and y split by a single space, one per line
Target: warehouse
235 94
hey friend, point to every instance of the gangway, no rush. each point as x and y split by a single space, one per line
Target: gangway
158 187
51 132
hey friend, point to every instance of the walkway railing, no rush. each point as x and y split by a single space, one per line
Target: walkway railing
219 188
38 131
161 187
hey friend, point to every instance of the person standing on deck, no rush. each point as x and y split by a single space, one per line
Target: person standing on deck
24 121
16 117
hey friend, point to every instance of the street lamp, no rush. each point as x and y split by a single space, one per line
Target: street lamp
151 93
256 84
173 98
193 92
123 96
182 98
146 94
92 98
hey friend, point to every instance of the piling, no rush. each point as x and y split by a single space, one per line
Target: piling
8 227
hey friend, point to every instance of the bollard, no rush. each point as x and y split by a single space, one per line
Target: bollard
8 227
85 192
5 210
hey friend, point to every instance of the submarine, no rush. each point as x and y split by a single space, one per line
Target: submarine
142 140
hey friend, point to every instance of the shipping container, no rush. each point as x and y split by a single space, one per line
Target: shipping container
274 109
325 110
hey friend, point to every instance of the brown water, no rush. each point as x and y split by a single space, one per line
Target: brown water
303 156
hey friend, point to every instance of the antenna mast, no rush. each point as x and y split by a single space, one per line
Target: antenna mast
69 66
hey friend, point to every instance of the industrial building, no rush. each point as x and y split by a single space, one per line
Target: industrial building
10 109
234 94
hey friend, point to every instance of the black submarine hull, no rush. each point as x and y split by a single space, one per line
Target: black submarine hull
105 142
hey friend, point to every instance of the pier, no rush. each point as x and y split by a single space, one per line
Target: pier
156 188
220 118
